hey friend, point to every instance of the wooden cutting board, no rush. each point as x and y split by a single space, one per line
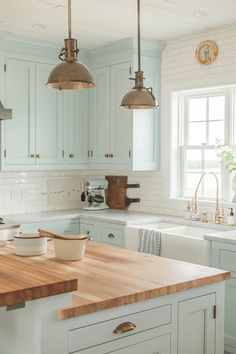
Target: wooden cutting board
117 192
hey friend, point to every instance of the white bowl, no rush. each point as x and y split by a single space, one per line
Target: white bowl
29 245
70 250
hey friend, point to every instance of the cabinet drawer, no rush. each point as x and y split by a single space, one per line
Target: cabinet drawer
90 229
102 332
228 260
113 236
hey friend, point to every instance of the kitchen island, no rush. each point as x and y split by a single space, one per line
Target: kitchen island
126 303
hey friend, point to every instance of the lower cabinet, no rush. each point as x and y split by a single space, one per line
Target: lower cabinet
197 325
63 227
224 257
110 233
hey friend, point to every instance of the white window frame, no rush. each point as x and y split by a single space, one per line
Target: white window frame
179 125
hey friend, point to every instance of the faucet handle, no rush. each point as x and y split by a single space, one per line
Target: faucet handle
219 216
204 217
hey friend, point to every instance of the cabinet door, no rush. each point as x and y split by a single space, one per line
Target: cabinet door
49 119
121 118
19 132
99 134
76 126
196 323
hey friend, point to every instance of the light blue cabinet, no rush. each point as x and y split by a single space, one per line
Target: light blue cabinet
224 257
99 111
49 120
121 138
34 136
63 227
53 130
105 232
18 135
76 128
111 126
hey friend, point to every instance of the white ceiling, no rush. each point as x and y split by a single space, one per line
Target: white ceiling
99 22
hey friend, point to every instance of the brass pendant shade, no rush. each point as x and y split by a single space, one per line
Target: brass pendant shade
71 74
139 97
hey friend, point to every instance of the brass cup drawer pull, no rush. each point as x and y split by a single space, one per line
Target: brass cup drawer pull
32 155
124 327
38 156
111 156
106 156
111 236
71 156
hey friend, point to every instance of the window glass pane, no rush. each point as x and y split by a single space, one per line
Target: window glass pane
197 109
191 181
216 132
211 161
209 184
197 133
193 160
217 108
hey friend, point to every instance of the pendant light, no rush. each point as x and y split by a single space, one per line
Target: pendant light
139 97
71 74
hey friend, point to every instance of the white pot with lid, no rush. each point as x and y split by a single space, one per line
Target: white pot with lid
8 229
29 245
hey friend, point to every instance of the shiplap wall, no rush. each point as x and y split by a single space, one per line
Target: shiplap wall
28 191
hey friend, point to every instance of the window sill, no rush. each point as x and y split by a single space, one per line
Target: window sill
208 203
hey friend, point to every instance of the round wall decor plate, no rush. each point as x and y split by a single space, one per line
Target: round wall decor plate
206 52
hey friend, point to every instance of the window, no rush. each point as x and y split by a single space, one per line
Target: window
200 118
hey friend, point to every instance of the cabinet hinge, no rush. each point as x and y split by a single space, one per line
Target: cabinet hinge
5 67
214 311
130 70
63 153
88 153
91 153
129 153
5 153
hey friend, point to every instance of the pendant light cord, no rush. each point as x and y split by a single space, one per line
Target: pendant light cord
139 45
69 19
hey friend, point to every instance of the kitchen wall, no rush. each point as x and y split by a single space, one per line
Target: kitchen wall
35 191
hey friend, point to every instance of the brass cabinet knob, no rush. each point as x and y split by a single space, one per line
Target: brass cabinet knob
32 155
106 156
38 156
111 156
124 327
71 156
111 236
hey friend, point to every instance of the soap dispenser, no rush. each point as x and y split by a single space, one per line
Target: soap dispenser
231 217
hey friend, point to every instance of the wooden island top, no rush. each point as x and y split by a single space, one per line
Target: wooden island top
106 277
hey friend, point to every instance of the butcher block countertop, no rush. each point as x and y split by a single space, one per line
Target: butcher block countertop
107 277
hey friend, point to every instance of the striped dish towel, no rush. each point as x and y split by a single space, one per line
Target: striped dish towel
149 241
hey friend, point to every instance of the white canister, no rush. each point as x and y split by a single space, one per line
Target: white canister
29 245
71 249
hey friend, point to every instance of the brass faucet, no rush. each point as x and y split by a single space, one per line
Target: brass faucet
219 213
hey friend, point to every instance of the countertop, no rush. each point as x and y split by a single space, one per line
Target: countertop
123 217
107 277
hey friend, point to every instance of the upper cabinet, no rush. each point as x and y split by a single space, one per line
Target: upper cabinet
121 138
110 126
76 122
78 129
49 128
49 120
18 136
